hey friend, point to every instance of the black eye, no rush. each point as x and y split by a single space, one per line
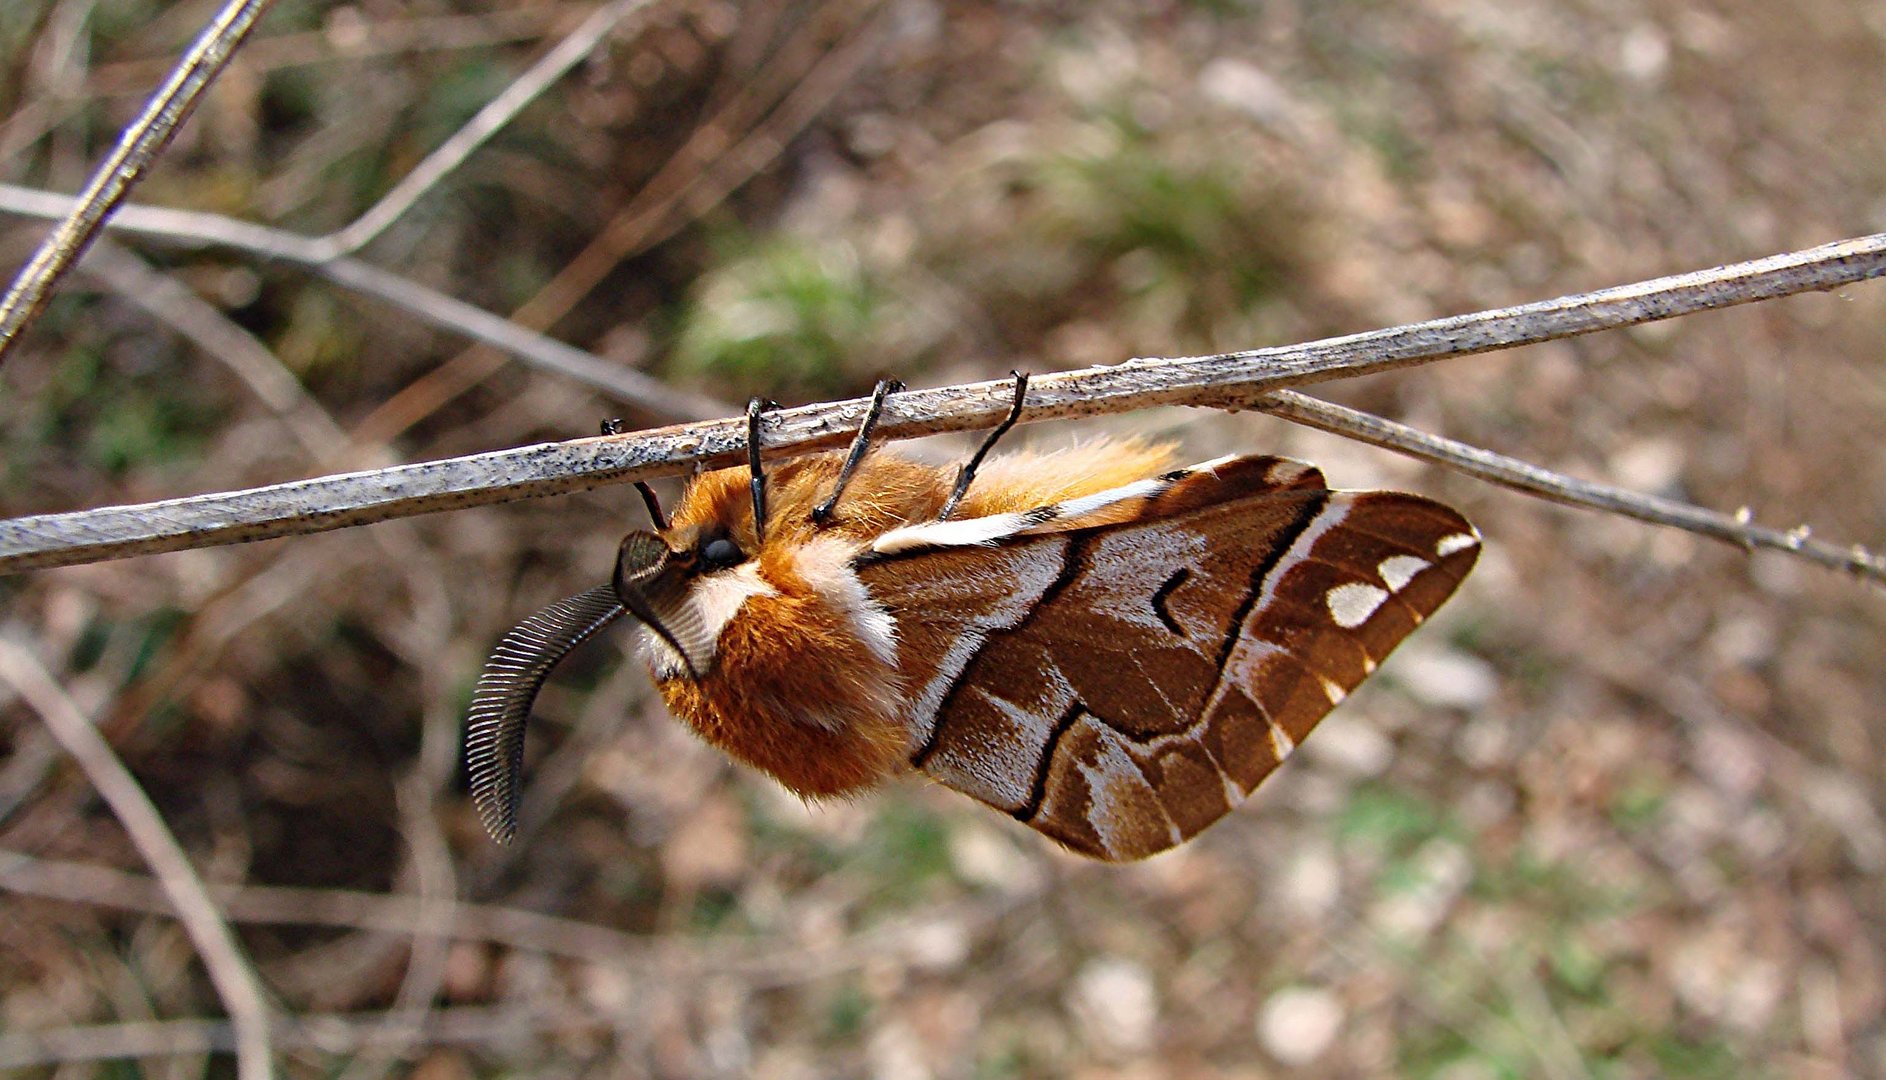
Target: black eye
721 552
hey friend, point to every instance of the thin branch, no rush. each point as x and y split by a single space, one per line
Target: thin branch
120 171
1735 529
497 112
406 915
168 301
196 229
235 981
708 167
263 54
331 255
308 506
762 965
343 1034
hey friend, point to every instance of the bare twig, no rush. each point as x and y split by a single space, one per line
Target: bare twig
797 86
332 255
497 112
468 1025
274 52
332 502
455 316
167 300
770 964
1509 472
514 928
715 161
229 970
119 172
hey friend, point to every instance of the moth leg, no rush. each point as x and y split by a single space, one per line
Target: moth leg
968 471
861 445
655 516
613 426
755 407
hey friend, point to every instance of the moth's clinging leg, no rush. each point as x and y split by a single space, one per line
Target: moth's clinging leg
755 407
968 471
655 516
613 426
861 445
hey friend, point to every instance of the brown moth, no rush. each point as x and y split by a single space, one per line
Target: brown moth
1111 651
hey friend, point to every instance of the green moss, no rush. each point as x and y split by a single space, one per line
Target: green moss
783 315
1393 821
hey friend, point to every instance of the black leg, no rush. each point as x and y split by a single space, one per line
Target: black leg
660 520
655 516
968 472
822 513
754 408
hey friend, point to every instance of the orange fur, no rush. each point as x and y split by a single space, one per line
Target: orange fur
1033 478
794 690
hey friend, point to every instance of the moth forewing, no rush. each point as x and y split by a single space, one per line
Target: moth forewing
1120 687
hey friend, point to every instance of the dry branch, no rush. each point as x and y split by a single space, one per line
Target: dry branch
465 1025
761 964
1499 469
496 113
229 970
140 144
332 502
198 229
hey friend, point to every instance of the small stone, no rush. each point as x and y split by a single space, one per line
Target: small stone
937 945
1653 464
1311 885
896 1053
1353 748
1446 678
1297 1025
1116 1004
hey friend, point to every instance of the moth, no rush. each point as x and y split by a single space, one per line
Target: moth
1110 650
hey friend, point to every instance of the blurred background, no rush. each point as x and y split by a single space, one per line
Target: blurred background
1616 813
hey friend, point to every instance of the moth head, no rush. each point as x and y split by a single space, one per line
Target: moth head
683 584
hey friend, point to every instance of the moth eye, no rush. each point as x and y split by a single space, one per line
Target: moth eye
721 553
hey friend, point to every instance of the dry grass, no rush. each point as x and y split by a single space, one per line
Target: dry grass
1616 814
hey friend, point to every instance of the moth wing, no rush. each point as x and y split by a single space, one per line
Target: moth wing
1121 686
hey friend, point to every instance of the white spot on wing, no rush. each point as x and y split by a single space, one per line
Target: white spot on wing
1281 743
1334 693
1351 604
1456 542
1243 667
1399 570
